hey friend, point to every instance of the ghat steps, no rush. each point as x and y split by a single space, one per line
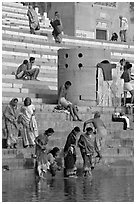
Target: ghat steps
18 44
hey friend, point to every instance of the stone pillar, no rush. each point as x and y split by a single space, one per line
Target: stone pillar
78 65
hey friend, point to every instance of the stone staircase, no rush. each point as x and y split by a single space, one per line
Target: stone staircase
18 44
119 142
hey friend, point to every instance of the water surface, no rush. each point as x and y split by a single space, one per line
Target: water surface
23 186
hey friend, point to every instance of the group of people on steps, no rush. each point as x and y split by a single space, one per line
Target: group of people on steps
89 142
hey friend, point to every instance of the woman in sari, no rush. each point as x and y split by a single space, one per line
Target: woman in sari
28 121
33 20
11 127
89 150
52 160
57 28
101 131
41 152
70 153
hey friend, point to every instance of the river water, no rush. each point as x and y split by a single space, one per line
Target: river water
23 186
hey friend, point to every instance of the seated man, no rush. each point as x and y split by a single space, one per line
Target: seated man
25 70
21 71
65 103
32 72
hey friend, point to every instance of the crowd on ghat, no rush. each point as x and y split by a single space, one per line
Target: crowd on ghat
91 140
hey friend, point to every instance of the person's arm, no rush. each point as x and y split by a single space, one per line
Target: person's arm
87 122
60 94
80 142
39 143
50 158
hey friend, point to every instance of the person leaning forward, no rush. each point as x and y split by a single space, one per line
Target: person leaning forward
32 72
21 71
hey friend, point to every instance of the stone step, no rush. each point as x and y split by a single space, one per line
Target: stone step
25 49
14 163
47 57
18 95
16 83
29 46
53 54
38 101
11 14
6 26
12 77
14 5
54 47
86 43
128 142
43 73
19 58
38 62
114 52
12 69
23 24
44 68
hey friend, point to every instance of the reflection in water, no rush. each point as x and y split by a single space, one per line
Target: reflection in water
70 189
23 186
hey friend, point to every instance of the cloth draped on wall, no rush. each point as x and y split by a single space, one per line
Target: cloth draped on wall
107 70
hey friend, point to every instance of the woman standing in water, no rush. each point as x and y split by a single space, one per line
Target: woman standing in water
100 128
70 153
41 152
89 150
11 127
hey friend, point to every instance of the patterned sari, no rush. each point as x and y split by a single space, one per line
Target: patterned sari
26 119
10 118
33 19
89 148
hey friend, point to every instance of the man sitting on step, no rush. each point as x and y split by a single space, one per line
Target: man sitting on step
26 72
62 95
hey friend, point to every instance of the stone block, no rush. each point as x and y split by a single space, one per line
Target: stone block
17 86
7 85
22 90
18 95
11 90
